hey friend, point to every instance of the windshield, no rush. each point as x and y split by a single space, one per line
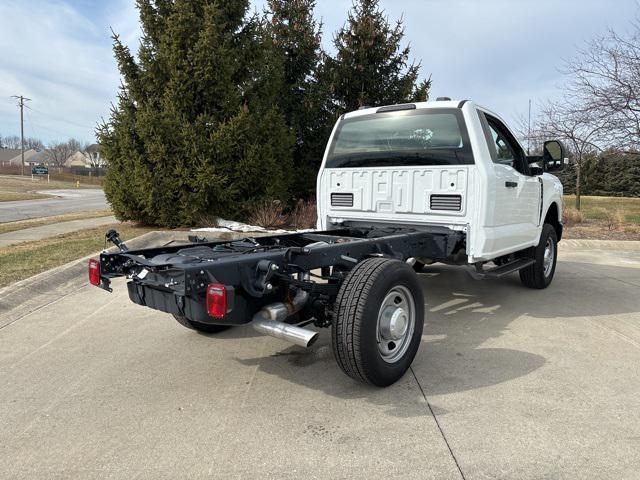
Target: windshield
415 137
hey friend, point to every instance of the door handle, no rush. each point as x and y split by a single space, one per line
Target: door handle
511 184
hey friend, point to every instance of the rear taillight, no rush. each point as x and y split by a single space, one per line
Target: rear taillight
94 272
216 300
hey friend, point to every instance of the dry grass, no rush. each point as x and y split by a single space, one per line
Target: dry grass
23 260
38 222
16 187
16 196
304 215
604 218
268 214
597 208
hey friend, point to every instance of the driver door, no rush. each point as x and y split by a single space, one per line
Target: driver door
516 212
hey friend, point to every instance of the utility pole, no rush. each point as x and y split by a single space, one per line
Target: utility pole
21 105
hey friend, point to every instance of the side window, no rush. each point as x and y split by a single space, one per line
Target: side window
505 149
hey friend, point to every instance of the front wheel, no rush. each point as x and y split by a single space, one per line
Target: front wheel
540 274
378 320
200 327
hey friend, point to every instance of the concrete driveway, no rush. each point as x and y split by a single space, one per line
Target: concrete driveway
64 201
509 383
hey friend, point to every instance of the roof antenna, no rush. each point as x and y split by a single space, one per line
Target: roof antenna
529 131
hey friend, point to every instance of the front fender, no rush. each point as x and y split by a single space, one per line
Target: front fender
552 204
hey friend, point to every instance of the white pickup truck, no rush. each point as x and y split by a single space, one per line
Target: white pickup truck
400 187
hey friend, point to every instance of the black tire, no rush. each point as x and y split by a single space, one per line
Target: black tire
354 332
200 327
536 275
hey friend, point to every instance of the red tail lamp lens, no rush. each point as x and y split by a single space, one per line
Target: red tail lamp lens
94 272
216 300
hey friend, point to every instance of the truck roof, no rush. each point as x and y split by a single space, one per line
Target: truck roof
454 103
419 105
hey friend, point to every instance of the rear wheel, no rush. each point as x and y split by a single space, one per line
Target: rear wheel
200 327
540 274
378 320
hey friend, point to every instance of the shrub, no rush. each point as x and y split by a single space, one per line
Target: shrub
304 215
614 219
571 216
268 214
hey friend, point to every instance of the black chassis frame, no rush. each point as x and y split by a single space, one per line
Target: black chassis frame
259 271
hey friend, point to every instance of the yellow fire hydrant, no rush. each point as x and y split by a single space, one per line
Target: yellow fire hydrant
77 183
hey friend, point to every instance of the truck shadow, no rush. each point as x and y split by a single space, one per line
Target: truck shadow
465 320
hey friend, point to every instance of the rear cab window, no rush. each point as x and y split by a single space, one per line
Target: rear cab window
430 136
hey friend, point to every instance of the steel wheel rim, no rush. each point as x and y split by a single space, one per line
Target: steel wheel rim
396 324
549 253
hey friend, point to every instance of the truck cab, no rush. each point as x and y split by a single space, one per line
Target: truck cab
449 164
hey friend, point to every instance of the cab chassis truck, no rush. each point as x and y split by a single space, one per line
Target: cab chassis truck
400 187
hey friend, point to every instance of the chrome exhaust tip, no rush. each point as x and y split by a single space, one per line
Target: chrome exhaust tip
296 335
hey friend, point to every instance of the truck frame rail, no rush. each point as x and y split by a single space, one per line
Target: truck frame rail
255 271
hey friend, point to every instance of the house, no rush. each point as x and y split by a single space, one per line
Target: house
31 157
78 159
89 158
7 154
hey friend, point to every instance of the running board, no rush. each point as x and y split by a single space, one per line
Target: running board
502 270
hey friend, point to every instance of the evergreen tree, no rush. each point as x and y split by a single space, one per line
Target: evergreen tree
371 67
195 132
295 39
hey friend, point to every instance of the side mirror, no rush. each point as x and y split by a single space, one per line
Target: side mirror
554 156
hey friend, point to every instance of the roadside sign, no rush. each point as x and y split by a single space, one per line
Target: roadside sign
40 170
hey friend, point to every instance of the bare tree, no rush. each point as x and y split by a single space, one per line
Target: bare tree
75 145
93 156
12 141
33 143
606 82
577 127
58 153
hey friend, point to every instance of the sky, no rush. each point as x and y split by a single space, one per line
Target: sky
500 53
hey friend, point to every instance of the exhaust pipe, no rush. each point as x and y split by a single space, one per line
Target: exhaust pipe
269 321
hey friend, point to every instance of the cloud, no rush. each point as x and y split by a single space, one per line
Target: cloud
498 52
62 60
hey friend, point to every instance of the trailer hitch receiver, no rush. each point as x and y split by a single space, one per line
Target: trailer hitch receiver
114 237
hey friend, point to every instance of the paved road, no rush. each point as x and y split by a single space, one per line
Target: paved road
65 201
509 383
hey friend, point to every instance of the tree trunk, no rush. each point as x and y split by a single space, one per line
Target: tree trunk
578 169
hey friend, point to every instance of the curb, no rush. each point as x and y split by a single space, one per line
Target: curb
26 296
617 245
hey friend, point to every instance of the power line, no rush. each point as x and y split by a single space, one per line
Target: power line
59 119
21 105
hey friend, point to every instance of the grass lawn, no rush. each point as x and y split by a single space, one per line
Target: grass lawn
14 196
38 222
596 208
16 187
23 260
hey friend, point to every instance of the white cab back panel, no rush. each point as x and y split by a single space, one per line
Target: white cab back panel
402 195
